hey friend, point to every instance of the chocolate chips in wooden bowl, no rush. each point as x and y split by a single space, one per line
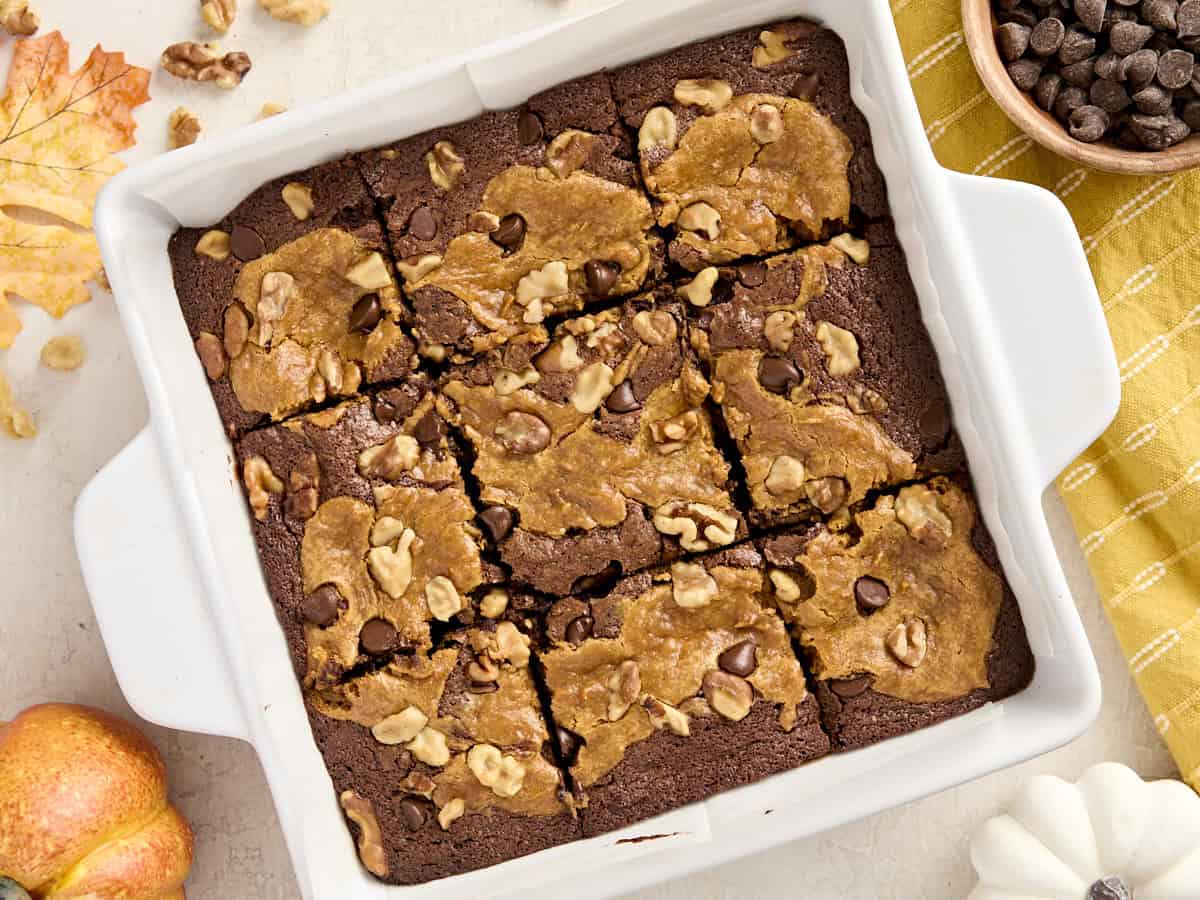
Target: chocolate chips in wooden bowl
1114 84
1133 63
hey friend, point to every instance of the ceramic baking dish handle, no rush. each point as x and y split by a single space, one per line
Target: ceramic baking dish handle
146 594
1049 321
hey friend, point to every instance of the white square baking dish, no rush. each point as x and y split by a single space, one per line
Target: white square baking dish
165 542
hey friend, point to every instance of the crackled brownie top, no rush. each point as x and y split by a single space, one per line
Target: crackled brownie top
595 450
364 528
457 757
502 221
910 604
695 640
290 299
750 142
824 373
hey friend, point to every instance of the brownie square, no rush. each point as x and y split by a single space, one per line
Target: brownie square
441 762
824 374
676 685
906 617
594 451
505 220
291 299
364 529
750 142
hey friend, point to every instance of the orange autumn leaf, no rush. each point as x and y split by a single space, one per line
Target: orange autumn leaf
58 132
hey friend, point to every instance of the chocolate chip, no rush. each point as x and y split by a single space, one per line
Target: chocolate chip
1187 20
529 128
871 595
1025 73
752 275
1046 91
1175 69
385 411
1140 68
1110 96
1110 888
378 636
1191 114
1020 16
848 688
1161 14
1153 100
422 225
568 745
510 233
1127 139
622 399
722 291
1129 37
522 432
498 520
1080 74
778 375
1159 132
598 582
740 659
1113 16
1048 36
246 243
601 276
365 314
1091 14
1076 45
1070 98
429 429
579 629
1012 39
806 86
321 606
1161 42
482 687
1088 124
414 813
1108 66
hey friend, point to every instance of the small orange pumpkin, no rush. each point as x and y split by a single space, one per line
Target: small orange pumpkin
84 810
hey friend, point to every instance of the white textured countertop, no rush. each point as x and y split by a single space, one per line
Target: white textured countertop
49 646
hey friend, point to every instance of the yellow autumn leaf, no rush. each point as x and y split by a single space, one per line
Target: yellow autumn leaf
58 132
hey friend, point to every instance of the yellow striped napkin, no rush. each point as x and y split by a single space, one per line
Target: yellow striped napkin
1133 493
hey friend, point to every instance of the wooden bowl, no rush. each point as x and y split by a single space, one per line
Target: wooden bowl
979 31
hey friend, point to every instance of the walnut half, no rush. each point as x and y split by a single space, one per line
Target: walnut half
219 14
203 62
298 12
183 128
18 18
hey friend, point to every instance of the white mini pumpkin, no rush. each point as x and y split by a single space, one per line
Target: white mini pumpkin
1109 836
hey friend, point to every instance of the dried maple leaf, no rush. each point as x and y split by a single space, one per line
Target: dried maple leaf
58 132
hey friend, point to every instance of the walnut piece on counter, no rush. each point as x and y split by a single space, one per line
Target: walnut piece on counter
203 62
271 108
18 18
298 12
64 353
183 128
219 14
15 419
